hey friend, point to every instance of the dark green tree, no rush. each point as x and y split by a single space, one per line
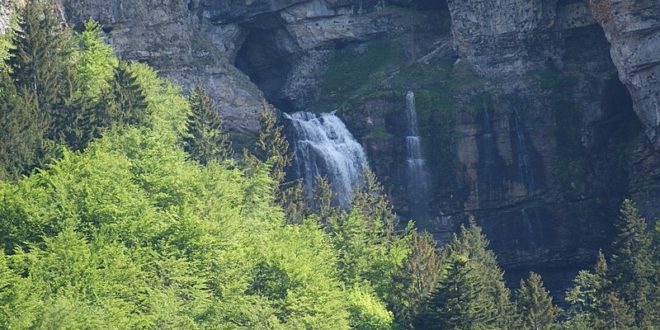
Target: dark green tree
593 303
460 300
43 64
535 305
22 129
205 140
633 269
372 203
124 103
472 242
323 199
417 279
272 146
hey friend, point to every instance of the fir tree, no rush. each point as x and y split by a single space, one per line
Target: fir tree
323 198
124 103
593 303
372 203
473 243
294 202
272 146
417 279
43 62
205 140
535 305
632 265
459 301
22 129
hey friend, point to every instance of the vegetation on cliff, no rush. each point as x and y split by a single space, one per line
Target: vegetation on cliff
121 207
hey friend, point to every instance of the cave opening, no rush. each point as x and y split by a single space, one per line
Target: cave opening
620 123
266 56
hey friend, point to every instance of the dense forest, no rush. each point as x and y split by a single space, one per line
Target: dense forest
123 205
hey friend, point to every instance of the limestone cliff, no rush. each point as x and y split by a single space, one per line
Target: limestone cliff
633 29
536 116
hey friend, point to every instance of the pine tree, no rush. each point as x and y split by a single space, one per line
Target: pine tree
633 267
417 278
593 303
472 242
43 62
372 203
323 198
294 202
124 103
535 305
459 301
205 140
272 146
22 129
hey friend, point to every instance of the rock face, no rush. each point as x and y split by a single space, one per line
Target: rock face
168 35
538 117
633 29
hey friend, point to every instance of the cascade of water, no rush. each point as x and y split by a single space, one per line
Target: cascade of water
416 172
524 166
325 147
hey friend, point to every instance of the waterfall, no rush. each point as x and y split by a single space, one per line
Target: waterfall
522 153
324 147
416 173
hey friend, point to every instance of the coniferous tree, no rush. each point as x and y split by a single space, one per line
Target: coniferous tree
594 305
22 129
43 62
417 279
633 267
95 69
472 242
372 203
323 198
205 140
272 146
124 103
535 305
294 202
459 301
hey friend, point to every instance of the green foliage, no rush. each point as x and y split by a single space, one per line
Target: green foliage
367 312
23 128
535 305
474 278
634 271
205 140
417 278
43 60
168 109
459 301
593 303
97 63
133 233
471 242
124 103
272 146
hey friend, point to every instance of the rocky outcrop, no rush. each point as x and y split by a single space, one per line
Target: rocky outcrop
167 35
633 29
512 37
5 15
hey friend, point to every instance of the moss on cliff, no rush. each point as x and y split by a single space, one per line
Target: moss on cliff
571 161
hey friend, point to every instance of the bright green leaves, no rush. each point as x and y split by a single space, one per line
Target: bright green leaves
97 62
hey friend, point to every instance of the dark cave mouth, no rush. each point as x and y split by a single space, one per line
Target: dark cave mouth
267 56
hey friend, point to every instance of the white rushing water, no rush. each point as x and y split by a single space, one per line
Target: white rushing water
325 147
416 172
